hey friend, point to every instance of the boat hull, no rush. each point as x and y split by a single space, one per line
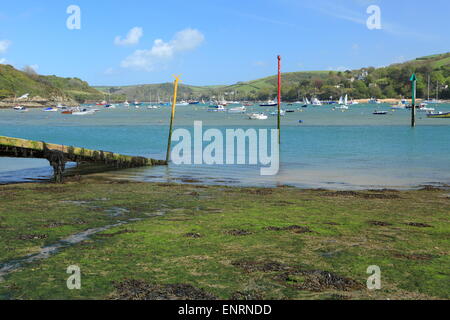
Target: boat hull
439 116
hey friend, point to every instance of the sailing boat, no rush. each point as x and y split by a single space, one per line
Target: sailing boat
343 103
341 100
316 102
306 102
434 101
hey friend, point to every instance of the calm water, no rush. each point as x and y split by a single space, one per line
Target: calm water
331 149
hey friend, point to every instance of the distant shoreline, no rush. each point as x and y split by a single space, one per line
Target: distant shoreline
42 104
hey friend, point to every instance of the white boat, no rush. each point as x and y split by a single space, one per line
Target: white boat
270 103
282 113
183 103
126 104
399 106
242 109
373 101
343 103
424 108
83 112
433 101
404 102
258 116
316 102
353 102
20 109
152 107
217 108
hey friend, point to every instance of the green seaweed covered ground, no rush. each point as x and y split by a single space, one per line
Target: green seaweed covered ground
197 242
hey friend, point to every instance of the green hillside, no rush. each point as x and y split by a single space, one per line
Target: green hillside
14 82
386 82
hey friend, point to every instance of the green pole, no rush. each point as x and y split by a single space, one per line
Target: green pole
413 103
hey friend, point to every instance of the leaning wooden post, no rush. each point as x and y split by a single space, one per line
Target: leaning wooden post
279 99
174 104
413 102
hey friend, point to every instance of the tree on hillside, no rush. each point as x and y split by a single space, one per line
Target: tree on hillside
29 70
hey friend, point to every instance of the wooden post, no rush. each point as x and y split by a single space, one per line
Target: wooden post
413 101
174 104
279 99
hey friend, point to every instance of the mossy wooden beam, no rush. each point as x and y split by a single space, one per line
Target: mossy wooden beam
36 149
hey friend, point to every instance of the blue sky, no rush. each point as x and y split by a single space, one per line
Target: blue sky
215 41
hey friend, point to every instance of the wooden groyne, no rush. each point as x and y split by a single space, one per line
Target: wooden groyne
58 155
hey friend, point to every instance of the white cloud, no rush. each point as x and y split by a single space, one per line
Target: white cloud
2 61
35 67
342 69
4 45
133 37
161 51
259 63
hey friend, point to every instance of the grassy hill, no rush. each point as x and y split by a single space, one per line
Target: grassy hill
386 82
15 82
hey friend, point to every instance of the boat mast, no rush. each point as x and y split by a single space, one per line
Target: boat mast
429 79
437 90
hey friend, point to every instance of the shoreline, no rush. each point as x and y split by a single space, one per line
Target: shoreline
49 103
192 181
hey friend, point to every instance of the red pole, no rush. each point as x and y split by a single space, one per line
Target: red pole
279 98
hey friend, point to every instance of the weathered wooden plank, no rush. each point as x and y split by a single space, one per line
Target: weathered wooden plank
38 149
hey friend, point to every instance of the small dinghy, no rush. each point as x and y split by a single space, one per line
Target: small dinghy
83 112
258 116
242 109
21 109
50 109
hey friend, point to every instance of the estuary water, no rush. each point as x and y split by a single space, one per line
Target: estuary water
329 149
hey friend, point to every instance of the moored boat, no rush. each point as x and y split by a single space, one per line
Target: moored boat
217 108
242 109
282 113
258 116
50 109
316 102
83 112
439 115
270 103
373 101
20 109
